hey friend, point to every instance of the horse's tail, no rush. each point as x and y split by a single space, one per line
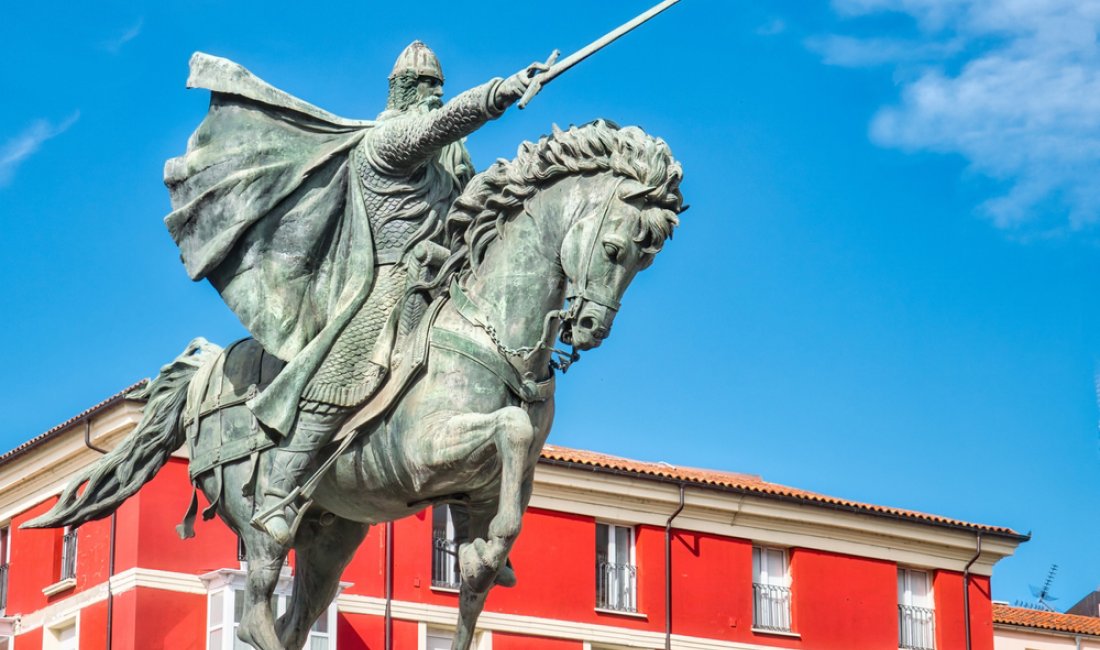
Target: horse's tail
120 473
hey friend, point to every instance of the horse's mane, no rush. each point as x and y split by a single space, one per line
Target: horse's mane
498 194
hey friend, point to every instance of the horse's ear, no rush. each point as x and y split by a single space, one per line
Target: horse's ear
631 189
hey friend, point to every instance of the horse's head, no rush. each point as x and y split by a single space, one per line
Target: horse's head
616 204
605 249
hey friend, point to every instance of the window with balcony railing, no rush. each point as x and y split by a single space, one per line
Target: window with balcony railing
771 590
616 574
68 554
5 558
444 548
916 614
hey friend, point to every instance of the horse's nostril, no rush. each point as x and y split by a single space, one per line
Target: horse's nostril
588 323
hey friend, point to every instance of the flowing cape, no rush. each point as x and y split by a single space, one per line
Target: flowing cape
267 206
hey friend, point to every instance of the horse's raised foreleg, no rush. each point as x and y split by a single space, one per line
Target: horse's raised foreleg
469 438
322 553
509 430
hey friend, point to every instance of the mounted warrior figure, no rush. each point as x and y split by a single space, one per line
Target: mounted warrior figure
313 228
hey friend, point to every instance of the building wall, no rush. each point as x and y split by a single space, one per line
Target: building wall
839 601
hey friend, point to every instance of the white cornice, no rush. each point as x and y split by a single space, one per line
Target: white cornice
600 635
764 520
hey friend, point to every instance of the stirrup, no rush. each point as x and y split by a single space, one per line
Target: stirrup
260 519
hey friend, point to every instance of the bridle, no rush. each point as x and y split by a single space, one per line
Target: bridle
579 292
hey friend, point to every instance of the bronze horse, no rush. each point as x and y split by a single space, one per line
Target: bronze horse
569 221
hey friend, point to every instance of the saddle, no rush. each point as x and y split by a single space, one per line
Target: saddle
240 373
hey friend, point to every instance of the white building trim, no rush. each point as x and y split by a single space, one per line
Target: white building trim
765 521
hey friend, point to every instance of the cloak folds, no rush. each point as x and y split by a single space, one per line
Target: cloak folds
267 206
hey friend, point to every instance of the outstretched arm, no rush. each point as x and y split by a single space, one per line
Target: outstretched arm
403 143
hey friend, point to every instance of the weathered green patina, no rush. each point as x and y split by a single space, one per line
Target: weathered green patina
404 314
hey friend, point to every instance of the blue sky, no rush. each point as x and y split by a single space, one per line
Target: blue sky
886 288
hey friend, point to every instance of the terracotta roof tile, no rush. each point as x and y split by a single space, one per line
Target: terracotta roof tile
43 437
750 484
1038 619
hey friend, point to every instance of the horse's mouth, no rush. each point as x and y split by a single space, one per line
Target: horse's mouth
567 332
581 338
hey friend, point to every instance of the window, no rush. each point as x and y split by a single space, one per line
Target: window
444 548
771 590
5 559
439 641
68 554
916 616
226 607
431 638
616 575
60 637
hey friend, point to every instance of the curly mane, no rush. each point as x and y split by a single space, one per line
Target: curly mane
499 193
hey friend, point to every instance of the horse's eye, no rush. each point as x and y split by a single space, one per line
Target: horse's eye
613 251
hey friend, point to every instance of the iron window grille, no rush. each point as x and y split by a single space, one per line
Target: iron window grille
3 587
68 554
445 572
916 626
616 586
5 559
771 607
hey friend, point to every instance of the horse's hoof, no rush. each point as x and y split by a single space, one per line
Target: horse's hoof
474 565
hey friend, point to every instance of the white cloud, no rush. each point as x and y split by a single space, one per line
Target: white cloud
24 145
854 52
114 46
1011 85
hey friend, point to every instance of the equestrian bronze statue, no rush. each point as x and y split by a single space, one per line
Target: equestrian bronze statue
403 311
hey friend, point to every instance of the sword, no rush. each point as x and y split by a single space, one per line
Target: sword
541 79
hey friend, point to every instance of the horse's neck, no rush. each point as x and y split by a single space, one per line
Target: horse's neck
520 279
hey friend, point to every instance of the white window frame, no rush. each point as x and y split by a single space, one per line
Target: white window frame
230 584
51 633
760 576
483 639
906 599
65 551
64 582
632 535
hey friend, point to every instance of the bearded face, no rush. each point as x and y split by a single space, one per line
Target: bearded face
410 91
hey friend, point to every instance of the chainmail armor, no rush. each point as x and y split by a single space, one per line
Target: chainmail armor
412 167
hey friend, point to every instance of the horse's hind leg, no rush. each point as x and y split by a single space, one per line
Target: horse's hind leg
265 561
322 553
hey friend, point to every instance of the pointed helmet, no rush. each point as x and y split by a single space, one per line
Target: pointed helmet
419 59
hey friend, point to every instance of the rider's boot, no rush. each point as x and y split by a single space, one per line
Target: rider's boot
288 465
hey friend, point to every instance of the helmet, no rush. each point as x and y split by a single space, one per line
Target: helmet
420 59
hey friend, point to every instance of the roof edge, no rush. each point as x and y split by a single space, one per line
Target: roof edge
863 509
86 414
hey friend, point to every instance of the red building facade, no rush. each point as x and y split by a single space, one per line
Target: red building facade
614 554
